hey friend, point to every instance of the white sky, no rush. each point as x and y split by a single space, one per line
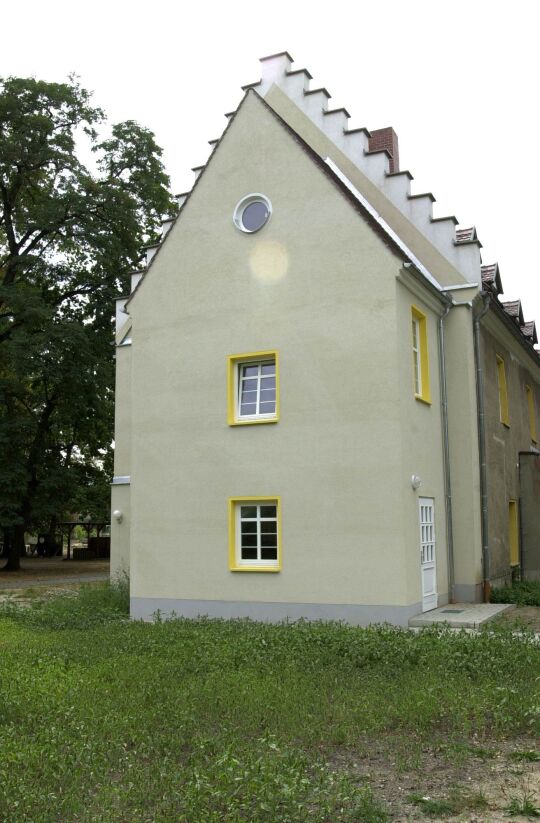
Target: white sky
459 82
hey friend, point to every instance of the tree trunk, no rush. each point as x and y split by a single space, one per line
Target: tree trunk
13 548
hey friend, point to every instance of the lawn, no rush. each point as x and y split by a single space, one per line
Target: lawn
107 720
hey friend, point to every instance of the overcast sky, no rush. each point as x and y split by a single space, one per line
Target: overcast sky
459 82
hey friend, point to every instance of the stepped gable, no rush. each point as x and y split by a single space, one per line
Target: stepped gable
491 278
376 155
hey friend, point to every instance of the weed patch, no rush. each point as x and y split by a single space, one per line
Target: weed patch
196 721
455 803
522 593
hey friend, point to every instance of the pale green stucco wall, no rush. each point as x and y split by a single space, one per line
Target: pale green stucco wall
120 495
336 456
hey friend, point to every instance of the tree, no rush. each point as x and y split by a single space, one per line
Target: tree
69 236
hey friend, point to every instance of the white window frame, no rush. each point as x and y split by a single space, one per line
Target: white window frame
417 361
236 561
236 363
240 380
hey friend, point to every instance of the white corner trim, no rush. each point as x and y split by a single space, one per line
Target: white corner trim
382 223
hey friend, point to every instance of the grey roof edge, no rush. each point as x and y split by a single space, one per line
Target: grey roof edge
474 242
299 71
356 131
316 91
423 194
398 173
451 217
367 152
336 111
277 54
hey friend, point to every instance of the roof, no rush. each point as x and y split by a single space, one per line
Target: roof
529 331
359 203
491 278
467 236
513 309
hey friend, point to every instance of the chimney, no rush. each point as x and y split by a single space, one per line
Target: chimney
386 139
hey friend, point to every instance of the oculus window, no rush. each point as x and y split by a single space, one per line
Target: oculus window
252 213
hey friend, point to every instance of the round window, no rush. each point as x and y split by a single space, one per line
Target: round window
252 212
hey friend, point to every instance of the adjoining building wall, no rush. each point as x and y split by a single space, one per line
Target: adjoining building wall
120 490
464 462
317 285
505 441
529 481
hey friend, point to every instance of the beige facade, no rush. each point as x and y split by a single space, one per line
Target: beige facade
377 385
507 441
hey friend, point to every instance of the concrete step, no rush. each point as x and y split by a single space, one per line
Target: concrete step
461 615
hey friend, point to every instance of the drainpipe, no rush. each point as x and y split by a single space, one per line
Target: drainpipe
482 446
446 455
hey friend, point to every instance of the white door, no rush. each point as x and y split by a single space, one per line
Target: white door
427 553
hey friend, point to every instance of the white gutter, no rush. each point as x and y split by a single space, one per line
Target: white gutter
383 224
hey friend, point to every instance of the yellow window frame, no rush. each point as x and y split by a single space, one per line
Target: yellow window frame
234 566
418 317
233 361
504 413
513 532
532 415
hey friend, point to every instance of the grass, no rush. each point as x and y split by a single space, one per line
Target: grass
522 593
525 805
102 719
455 803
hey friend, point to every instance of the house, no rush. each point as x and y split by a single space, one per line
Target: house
324 408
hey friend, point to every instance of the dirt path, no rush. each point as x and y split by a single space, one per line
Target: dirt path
46 571
478 787
529 616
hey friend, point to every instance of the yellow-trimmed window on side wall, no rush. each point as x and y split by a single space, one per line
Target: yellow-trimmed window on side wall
421 384
253 388
532 413
513 532
503 391
254 534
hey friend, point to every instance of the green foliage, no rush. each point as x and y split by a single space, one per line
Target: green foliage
529 755
69 236
92 605
107 719
525 805
455 803
522 593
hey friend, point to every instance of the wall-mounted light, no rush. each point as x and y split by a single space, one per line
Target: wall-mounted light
118 515
415 482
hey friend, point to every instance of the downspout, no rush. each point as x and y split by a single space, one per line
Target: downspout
446 455
482 446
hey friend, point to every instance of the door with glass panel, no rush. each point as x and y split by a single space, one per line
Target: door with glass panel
427 553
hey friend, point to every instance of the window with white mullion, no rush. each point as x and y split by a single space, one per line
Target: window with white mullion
257 389
258 533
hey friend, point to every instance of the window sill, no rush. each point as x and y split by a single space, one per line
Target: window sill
253 422
426 400
255 569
